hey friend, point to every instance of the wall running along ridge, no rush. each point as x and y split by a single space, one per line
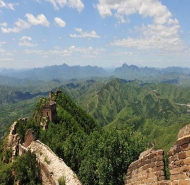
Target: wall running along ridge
52 167
149 168
52 164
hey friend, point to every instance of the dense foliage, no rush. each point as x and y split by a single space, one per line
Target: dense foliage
24 170
107 155
151 109
96 155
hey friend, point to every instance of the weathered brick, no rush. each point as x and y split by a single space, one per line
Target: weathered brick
182 155
175 182
177 176
161 178
184 147
174 171
171 153
186 161
188 153
184 182
159 173
183 141
179 163
164 182
173 158
159 163
152 165
160 167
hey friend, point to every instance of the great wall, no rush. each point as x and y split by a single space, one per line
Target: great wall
52 167
149 168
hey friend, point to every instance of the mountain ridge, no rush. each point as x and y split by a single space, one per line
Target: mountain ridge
64 71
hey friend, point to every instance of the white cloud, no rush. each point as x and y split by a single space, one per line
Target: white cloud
2 50
6 59
9 30
89 52
76 4
39 52
26 38
59 22
121 53
146 8
38 1
11 6
58 3
4 24
3 4
8 5
26 41
163 33
1 43
82 34
72 50
154 36
122 19
20 25
40 19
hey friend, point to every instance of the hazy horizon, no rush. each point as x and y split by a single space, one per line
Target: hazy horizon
105 68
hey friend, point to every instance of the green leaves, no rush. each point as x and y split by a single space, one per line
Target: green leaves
97 156
27 169
107 155
24 170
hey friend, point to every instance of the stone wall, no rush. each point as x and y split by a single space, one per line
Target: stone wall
53 166
149 168
29 137
179 159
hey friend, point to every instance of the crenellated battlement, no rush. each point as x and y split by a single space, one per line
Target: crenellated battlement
149 168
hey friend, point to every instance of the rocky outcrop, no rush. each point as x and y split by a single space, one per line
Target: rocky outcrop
14 139
53 167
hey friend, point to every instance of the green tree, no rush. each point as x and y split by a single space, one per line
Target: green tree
27 169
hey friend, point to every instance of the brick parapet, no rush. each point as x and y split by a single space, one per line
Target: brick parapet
179 161
149 169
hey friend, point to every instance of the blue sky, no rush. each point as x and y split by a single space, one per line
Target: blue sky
37 33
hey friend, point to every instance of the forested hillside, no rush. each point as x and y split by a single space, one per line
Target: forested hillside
151 109
98 156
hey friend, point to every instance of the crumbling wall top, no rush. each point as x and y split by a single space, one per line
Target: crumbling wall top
185 131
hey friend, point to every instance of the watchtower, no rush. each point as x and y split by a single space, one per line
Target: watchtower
49 110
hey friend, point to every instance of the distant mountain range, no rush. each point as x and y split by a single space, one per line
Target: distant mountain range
128 72
57 71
